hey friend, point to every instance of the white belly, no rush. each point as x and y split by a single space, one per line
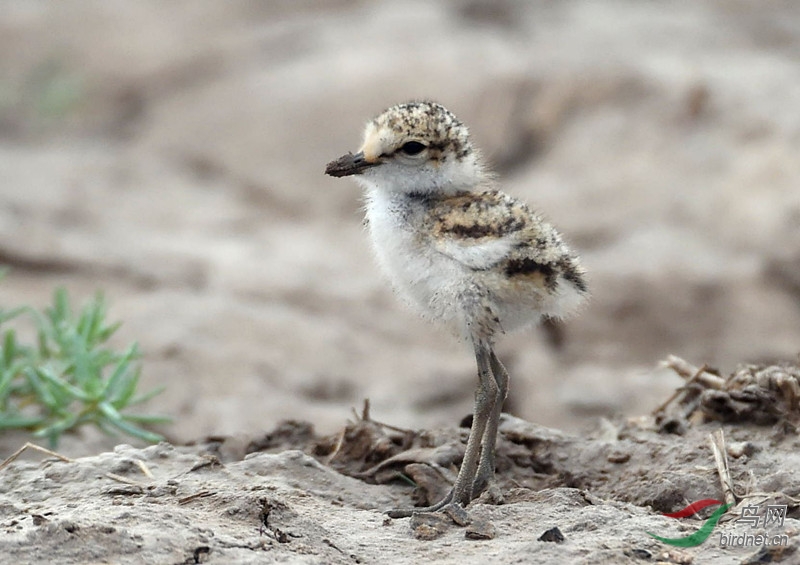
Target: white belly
427 280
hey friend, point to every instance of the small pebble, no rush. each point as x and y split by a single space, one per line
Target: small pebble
480 530
619 456
428 527
458 514
553 534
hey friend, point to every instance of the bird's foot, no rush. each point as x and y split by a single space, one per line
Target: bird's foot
455 511
453 505
408 512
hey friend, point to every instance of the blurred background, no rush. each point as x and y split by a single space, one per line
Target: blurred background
172 155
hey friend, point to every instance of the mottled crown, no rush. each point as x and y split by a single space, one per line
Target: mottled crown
426 122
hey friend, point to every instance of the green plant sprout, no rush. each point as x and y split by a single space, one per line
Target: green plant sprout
69 378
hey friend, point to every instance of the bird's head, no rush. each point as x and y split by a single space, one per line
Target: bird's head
418 147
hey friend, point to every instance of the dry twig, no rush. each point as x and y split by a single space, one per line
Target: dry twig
10 459
717 441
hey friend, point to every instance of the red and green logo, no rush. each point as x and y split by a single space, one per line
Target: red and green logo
705 530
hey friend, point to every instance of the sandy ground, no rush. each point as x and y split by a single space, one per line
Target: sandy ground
292 496
171 154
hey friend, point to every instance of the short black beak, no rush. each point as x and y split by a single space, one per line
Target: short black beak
349 164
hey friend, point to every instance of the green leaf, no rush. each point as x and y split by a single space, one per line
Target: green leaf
90 318
122 397
42 393
42 342
136 431
19 422
9 348
85 373
6 315
59 427
121 385
6 376
109 411
62 311
68 392
108 331
147 396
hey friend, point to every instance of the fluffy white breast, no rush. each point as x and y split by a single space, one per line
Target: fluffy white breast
422 276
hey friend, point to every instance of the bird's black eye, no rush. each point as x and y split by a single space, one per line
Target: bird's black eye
413 148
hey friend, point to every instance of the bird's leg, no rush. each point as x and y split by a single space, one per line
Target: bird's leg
485 476
485 398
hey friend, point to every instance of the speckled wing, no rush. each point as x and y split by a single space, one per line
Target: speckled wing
479 230
491 230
